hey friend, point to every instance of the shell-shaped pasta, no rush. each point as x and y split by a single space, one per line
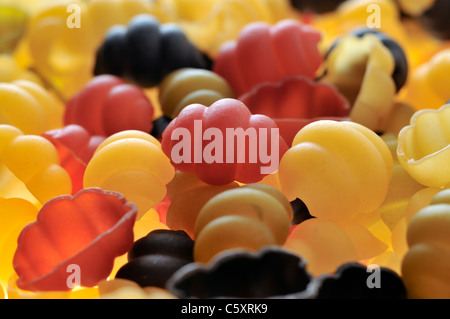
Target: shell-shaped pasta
296 101
29 107
361 68
75 148
145 51
153 259
87 230
232 271
34 160
424 147
228 123
187 196
189 86
296 97
108 105
401 69
424 266
263 209
428 84
132 163
338 169
265 53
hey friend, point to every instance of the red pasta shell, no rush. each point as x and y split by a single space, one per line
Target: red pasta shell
89 229
296 101
108 105
75 147
265 53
